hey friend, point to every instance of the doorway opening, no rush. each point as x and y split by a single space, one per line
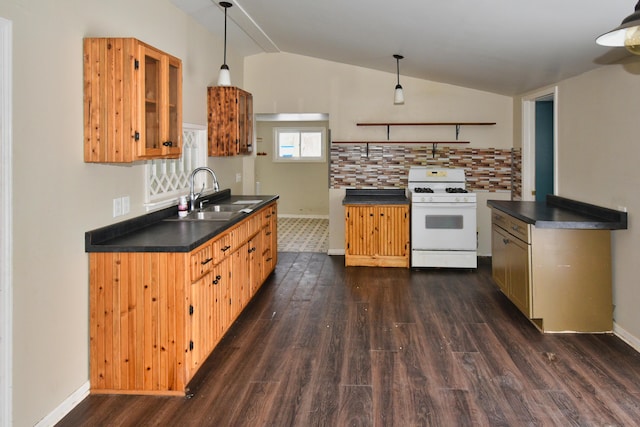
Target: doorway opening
539 144
292 160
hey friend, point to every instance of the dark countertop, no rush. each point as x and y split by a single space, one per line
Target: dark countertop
393 196
559 212
162 231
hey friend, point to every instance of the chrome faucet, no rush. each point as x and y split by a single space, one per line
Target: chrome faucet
194 196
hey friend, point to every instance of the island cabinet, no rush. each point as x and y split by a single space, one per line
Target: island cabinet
156 316
556 274
230 121
132 101
377 235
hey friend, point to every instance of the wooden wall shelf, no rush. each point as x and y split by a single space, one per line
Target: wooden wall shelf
434 144
456 124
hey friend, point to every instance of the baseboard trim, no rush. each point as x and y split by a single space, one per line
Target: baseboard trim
65 407
335 252
627 337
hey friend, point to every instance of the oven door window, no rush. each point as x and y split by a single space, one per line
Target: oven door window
444 222
440 226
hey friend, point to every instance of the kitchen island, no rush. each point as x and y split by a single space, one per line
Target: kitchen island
553 261
165 289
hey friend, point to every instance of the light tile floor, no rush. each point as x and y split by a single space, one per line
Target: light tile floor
303 234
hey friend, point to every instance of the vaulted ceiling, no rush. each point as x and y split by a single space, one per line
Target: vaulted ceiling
502 46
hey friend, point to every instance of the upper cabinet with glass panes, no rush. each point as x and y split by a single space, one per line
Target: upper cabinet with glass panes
132 101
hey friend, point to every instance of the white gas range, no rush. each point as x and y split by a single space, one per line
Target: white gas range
443 218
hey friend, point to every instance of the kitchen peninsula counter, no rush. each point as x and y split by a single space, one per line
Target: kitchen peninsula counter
559 212
553 261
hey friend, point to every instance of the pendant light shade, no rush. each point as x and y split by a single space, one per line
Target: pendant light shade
398 96
626 34
224 78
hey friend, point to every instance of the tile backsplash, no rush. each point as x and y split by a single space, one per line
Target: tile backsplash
386 166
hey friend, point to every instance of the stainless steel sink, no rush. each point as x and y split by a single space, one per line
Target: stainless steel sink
220 208
205 215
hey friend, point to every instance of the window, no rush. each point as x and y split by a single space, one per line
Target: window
299 144
168 179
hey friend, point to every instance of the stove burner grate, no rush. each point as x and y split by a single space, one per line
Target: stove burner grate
456 190
423 190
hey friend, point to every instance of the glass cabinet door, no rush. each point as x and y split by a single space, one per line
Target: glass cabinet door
152 102
174 120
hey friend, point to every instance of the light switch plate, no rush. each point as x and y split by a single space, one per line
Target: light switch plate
238 177
117 207
125 205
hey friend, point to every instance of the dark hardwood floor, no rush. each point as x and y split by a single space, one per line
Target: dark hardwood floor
325 345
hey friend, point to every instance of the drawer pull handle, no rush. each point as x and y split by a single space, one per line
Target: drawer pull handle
168 143
505 241
206 261
226 248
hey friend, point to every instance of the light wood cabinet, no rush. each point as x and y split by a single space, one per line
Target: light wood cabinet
559 278
230 121
511 268
132 101
156 316
377 235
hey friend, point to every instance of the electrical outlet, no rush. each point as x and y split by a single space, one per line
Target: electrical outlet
126 206
117 207
238 177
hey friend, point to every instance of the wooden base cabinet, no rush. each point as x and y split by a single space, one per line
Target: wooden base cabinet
377 235
155 317
559 278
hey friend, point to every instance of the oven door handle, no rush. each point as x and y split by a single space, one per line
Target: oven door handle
447 205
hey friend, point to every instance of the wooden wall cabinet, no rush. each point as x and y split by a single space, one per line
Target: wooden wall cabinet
230 121
377 235
156 317
132 101
559 278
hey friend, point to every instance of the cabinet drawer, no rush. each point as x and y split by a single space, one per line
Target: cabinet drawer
201 261
221 248
500 219
520 229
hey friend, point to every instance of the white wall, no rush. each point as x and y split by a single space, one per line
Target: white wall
57 197
287 83
598 154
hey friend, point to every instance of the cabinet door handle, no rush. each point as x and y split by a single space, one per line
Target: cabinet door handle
505 241
206 261
168 143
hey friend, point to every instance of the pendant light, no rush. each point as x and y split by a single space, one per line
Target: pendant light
626 34
224 78
398 96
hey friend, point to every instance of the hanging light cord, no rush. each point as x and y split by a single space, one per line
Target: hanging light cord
398 68
225 31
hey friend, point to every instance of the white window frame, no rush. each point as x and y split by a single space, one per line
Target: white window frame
168 179
302 129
